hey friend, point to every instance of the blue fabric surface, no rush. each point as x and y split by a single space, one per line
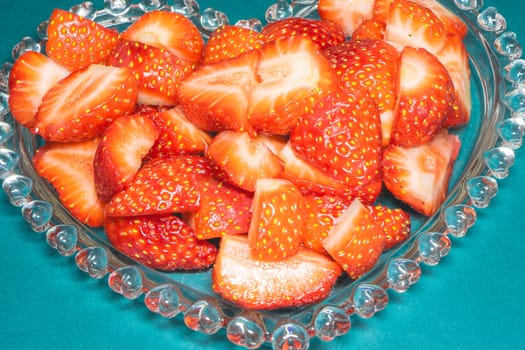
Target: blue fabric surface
473 299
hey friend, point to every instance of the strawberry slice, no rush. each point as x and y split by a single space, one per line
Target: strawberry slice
349 14
419 176
120 152
305 278
229 41
241 160
170 31
163 242
177 134
285 89
158 71
342 137
32 76
370 29
425 97
69 169
321 32
394 222
412 24
371 64
356 241
452 23
381 10
76 42
216 96
224 210
277 220
454 57
84 103
162 186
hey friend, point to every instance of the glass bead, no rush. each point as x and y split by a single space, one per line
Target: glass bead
4 104
280 10
93 261
126 281
511 132
508 45
41 30
204 317
164 300
245 332
8 161
38 214
459 218
515 100
515 72
152 5
187 8
63 238
6 132
27 44
212 19
331 322
402 273
117 7
481 190
85 9
432 247
467 4
290 336
18 188
5 70
490 20
369 299
499 160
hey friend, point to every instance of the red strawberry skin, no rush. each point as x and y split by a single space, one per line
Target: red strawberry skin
229 41
162 242
394 222
32 75
76 42
69 169
81 106
305 278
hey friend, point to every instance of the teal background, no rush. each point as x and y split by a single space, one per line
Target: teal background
473 299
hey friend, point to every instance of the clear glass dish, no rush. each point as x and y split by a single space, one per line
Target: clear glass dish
489 142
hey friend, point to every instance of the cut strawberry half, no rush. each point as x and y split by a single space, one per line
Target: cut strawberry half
120 152
356 241
241 160
394 222
158 71
285 89
167 30
452 23
419 176
412 24
349 14
84 103
321 32
162 186
69 169
160 242
305 278
32 76
216 96
425 97
75 42
277 220
229 41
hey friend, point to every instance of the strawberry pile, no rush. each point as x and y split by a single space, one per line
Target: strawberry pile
259 154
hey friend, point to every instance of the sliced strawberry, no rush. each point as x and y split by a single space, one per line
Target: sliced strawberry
69 169
216 96
452 23
158 71
381 9
277 220
76 42
120 152
419 176
321 32
177 134
84 103
286 89
356 241
412 24
394 222
349 14
161 242
224 210
424 98
241 160
305 278
229 41
454 57
170 31
321 213
162 186
342 137
32 75
370 29
371 64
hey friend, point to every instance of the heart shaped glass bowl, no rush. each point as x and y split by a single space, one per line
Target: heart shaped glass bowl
487 154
